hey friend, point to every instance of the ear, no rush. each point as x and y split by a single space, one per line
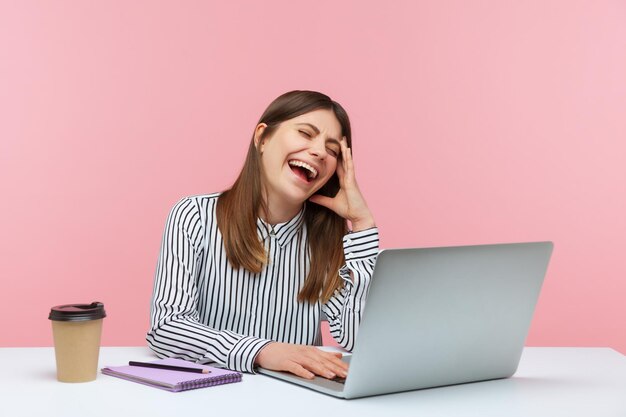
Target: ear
258 132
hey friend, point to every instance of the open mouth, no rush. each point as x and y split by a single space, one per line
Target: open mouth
303 170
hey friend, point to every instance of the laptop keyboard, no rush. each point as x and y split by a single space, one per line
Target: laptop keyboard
339 380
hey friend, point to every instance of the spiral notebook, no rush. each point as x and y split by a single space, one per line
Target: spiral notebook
174 381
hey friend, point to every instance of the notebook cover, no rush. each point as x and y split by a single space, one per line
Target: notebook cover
174 381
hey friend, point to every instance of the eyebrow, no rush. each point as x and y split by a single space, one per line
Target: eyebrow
317 132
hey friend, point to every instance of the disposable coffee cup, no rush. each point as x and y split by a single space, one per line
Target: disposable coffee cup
76 329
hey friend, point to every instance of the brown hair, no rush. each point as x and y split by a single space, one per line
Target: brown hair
238 207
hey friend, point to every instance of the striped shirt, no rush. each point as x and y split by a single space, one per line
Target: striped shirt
204 310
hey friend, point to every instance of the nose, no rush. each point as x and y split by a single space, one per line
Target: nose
318 148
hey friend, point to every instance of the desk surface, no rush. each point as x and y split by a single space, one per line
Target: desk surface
549 382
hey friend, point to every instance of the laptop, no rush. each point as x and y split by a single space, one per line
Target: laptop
441 316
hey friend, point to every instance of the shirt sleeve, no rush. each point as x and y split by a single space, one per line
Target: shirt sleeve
345 308
175 330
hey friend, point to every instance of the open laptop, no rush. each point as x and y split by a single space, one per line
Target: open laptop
441 316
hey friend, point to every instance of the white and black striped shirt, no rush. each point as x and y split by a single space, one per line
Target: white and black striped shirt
203 310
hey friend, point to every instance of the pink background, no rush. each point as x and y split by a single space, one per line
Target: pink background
474 122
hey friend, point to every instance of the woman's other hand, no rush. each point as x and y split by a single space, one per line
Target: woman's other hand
349 202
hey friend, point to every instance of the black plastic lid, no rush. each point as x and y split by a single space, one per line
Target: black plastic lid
78 312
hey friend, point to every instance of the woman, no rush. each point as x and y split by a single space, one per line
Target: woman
243 276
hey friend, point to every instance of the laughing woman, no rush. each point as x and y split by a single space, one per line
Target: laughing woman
243 276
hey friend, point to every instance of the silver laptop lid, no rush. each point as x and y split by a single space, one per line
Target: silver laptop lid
441 316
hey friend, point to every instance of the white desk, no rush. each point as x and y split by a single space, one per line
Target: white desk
553 382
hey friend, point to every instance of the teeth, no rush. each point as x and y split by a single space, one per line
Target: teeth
312 171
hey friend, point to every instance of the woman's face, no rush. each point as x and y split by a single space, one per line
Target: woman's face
300 157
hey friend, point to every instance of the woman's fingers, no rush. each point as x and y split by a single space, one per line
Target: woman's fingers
323 363
347 155
319 367
345 169
341 169
343 165
337 366
299 370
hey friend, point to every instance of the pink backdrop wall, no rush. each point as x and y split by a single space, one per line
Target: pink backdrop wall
474 122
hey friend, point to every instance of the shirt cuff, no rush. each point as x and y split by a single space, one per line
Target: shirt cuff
358 247
241 357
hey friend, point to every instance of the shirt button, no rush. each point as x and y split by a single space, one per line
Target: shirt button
349 242
349 255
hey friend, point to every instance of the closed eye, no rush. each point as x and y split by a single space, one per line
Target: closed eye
305 133
333 152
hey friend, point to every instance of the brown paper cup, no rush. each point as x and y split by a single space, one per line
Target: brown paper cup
76 329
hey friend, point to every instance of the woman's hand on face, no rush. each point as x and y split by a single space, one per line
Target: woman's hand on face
349 202
304 361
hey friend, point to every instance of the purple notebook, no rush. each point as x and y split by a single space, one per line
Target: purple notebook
174 381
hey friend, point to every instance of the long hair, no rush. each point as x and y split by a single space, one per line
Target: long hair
238 207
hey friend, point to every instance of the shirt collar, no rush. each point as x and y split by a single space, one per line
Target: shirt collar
283 233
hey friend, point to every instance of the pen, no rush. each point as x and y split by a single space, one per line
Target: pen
169 367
